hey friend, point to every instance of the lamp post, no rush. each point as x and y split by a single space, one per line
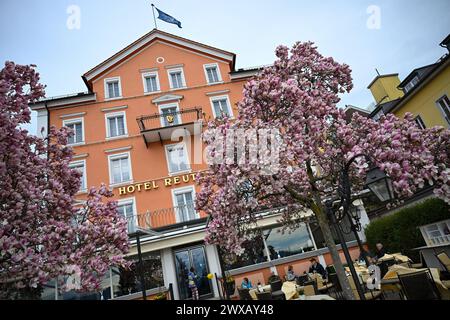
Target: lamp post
137 234
380 185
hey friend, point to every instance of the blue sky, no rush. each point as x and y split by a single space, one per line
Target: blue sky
410 31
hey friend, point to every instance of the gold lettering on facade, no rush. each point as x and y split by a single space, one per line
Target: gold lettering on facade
150 185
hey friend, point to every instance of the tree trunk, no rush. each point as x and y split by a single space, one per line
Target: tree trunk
328 236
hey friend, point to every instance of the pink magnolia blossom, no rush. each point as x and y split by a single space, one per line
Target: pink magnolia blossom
44 232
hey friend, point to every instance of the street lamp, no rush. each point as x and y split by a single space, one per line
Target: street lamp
380 184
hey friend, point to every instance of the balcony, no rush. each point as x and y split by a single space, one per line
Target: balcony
163 218
160 126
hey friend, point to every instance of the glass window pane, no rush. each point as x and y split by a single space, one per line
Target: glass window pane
125 169
112 127
283 245
120 125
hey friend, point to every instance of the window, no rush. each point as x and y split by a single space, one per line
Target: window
283 245
129 282
120 168
112 88
184 204
411 84
377 116
81 167
151 82
221 107
176 78
116 124
444 105
170 115
77 127
254 252
177 158
212 73
126 208
419 122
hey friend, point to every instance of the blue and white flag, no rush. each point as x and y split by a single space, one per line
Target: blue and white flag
168 18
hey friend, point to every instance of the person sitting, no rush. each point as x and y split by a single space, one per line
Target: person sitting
317 268
380 251
246 284
273 277
290 275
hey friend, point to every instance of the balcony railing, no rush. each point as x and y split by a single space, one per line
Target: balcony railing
159 126
152 220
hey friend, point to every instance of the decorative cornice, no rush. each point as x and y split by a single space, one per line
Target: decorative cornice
72 115
114 108
118 149
167 97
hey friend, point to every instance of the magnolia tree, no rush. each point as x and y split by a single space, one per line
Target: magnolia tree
44 233
289 145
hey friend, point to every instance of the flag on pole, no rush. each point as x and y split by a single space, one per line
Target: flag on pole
167 18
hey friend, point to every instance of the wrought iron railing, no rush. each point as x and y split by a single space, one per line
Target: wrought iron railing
168 119
162 217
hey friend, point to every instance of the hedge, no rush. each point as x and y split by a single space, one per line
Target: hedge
399 232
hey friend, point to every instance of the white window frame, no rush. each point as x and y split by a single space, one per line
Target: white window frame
73 165
112 115
183 79
108 80
214 98
76 120
176 191
188 162
169 105
126 201
144 82
116 156
444 115
219 76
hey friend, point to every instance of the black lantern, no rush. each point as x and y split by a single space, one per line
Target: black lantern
380 184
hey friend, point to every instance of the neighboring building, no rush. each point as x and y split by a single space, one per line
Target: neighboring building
123 125
350 110
425 92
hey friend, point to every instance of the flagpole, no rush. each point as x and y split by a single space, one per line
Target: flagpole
154 19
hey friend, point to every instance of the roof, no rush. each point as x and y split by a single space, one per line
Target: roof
420 72
381 76
385 106
69 99
350 110
446 42
425 74
149 38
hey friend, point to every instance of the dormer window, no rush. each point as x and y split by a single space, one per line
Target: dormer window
411 84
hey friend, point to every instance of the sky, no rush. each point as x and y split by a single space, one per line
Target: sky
394 36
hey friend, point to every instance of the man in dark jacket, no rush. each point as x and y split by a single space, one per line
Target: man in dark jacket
317 267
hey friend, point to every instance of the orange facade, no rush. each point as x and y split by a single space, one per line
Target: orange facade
151 183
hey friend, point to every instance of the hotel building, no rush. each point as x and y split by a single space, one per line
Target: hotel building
158 86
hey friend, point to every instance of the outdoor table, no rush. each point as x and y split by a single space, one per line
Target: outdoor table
253 291
317 297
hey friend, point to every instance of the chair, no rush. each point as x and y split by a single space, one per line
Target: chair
312 283
419 286
445 261
302 279
336 288
264 296
275 287
308 290
244 294
384 266
370 295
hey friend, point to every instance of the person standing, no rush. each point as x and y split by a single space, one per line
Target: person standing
192 283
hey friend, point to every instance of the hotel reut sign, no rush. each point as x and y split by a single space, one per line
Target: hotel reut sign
154 184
